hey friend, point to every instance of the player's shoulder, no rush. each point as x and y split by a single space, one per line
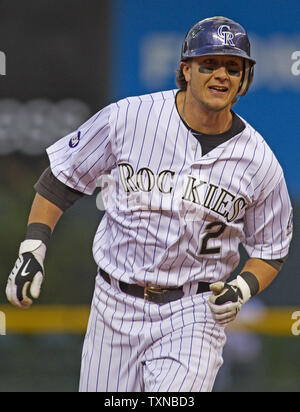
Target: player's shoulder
263 163
160 96
254 136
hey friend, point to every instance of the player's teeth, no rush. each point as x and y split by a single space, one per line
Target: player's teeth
222 89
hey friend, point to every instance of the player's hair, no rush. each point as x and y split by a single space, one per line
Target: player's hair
182 84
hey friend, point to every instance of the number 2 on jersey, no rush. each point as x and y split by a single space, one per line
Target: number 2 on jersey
211 234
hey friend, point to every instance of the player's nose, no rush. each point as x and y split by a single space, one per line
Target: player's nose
221 73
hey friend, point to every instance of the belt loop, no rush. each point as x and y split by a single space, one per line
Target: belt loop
188 289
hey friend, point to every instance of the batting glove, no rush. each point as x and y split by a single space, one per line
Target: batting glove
228 298
25 280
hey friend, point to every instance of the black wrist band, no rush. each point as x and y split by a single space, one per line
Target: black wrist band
251 281
39 231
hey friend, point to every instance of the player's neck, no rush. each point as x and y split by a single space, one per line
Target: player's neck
201 118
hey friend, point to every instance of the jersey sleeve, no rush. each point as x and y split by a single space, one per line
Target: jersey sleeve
79 158
268 225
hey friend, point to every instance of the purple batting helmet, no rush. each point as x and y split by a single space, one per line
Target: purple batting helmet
220 36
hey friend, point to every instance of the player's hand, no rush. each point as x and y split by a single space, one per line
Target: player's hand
226 301
25 280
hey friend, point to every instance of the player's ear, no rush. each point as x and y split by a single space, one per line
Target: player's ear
186 70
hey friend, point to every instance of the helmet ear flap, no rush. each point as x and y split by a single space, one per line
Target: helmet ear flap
247 77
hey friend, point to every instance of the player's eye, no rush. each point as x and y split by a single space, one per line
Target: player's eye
205 69
234 72
233 68
209 68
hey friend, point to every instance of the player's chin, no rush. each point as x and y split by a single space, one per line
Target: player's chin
218 106
217 103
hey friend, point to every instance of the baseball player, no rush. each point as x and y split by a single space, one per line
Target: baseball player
187 181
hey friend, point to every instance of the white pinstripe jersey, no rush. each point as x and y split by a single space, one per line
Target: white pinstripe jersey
172 215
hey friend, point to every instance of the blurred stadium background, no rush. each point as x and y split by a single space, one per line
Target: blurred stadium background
65 59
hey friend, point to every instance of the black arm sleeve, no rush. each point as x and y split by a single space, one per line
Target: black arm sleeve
276 263
55 191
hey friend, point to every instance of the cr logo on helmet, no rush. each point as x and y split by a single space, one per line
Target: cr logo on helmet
227 36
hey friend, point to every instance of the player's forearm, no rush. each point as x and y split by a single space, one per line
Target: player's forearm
264 272
44 211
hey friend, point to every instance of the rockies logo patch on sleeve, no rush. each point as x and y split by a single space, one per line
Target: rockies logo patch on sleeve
75 139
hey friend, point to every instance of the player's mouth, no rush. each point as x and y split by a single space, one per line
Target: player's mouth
218 90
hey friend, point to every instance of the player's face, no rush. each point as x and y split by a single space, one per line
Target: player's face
213 81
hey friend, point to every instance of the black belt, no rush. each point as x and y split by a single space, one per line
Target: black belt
155 294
